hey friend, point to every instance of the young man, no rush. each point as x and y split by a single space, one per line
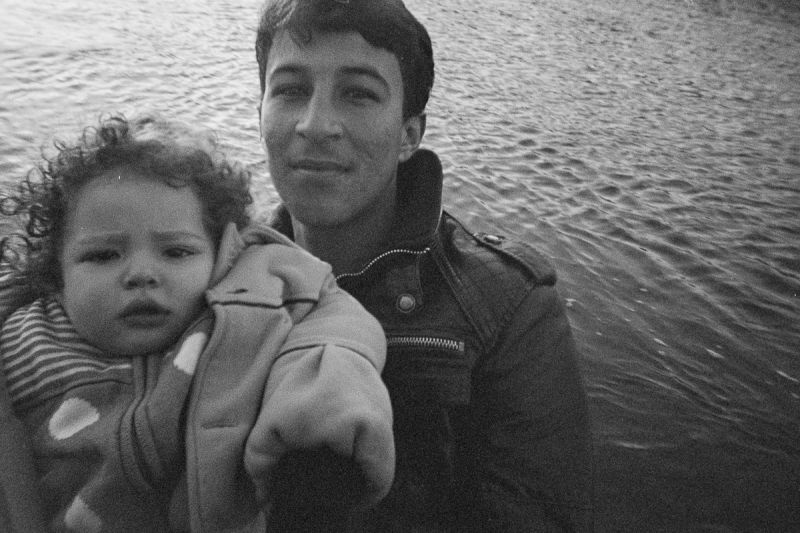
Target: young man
491 423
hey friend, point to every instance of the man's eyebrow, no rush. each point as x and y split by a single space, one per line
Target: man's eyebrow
355 70
288 68
366 71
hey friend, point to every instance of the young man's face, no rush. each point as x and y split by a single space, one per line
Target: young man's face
333 128
136 261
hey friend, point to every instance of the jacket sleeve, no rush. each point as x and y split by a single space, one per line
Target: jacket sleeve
324 391
536 457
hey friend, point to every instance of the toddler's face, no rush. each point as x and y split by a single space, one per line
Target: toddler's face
136 261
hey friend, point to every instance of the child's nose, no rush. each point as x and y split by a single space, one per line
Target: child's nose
140 275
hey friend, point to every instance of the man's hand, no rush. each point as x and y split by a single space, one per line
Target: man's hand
314 490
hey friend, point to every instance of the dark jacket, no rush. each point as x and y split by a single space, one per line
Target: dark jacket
491 426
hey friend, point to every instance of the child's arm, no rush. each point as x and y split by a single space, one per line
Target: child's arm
324 392
293 363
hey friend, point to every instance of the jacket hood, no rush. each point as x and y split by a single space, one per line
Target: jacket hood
233 242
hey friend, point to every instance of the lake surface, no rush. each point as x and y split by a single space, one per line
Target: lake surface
650 148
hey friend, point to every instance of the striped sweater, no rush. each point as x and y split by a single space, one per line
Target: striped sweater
43 355
106 432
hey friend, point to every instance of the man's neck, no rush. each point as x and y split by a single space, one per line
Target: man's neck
347 248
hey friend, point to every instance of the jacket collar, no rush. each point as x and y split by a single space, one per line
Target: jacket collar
419 203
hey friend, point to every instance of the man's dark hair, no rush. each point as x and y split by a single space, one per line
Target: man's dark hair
384 24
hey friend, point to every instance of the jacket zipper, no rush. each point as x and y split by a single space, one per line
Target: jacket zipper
419 341
378 258
410 341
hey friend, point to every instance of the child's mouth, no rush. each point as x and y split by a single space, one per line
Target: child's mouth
144 314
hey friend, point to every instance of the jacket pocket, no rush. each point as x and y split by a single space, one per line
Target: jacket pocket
429 368
429 378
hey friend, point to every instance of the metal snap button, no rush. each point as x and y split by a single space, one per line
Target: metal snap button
406 303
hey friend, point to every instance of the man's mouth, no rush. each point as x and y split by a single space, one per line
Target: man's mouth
318 165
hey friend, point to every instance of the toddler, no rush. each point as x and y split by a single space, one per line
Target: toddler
159 354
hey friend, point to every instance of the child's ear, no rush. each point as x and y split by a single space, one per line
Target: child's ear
413 130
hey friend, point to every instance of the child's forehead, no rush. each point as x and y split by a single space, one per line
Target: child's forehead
122 199
129 182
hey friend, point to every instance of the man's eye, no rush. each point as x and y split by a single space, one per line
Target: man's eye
360 93
289 90
99 256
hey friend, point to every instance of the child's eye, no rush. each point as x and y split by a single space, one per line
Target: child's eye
178 252
99 256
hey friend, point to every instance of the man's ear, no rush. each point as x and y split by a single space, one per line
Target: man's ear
413 130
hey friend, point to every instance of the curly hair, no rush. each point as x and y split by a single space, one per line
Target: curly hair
166 150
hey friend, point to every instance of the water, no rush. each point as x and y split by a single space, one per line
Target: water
651 149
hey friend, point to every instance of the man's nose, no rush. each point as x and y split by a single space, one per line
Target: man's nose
320 119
